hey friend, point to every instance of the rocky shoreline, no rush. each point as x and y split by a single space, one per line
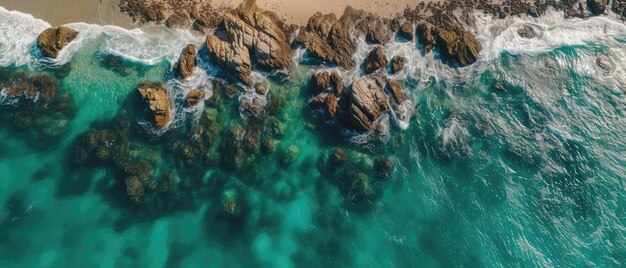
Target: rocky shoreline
247 39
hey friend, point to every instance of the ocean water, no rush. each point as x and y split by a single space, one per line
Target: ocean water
515 161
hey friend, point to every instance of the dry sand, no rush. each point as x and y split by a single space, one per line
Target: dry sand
59 12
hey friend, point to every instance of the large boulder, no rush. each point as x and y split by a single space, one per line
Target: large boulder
597 7
366 102
250 36
406 31
458 45
330 40
425 36
187 61
52 40
156 100
375 61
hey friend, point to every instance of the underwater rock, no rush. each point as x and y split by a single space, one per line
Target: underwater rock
597 7
253 105
397 64
527 32
375 60
52 40
100 147
116 64
138 178
366 102
383 167
289 155
252 37
406 31
187 61
41 89
194 97
157 101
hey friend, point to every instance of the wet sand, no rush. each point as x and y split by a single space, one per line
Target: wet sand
59 12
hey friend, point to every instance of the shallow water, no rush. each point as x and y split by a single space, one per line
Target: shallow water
527 173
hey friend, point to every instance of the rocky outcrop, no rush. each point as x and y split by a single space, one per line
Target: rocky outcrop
177 20
187 61
366 102
156 100
451 40
250 36
597 7
377 32
396 90
397 64
52 40
375 61
194 97
330 40
406 31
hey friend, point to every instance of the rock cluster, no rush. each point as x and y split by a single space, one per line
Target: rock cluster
454 42
375 61
52 40
155 98
250 36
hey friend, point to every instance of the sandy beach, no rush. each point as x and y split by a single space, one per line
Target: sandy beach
59 12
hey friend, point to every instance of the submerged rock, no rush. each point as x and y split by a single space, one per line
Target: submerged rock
53 40
155 97
187 61
375 61
397 64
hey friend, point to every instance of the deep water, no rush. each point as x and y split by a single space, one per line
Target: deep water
517 161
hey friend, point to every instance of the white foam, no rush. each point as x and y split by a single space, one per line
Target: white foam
18 34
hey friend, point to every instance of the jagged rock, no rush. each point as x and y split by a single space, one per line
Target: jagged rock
425 36
527 32
376 33
204 22
406 31
597 7
252 36
289 155
52 40
366 102
458 45
260 88
100 146
253 105
330 39
187 61
331 105
319 82
41 88
397 92
157 101
336 82
232 57
375 60
397 64
194 97
178 19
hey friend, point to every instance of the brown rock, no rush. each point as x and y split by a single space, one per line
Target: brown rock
157 101
260 88
336 82
187 61
425 36
331 41
396 89
52 40
194 97
331 105
232 57
406 31
366 102
458 45
397 64
177 20
319 82
375 60
204 22
376 33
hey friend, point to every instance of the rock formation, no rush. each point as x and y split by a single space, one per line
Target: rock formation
194 97
52 40
597 7
250 36
187 61
451 40
375 61
366 102
397 64
156 100
406 31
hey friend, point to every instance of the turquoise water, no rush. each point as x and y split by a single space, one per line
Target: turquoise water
529 173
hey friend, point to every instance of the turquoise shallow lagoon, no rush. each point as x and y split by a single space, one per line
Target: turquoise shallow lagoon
517 161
